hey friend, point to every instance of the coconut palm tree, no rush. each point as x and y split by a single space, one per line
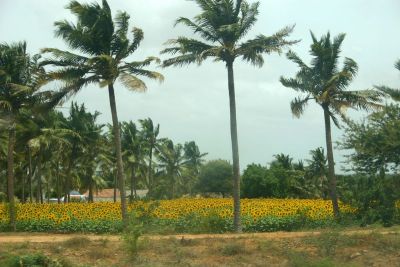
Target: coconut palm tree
326 84
171 162
317 170
393 93
222 25
20 80
151 141
104 45
194 161
133 152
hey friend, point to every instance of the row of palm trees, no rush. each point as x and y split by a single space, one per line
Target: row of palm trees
55 154
100 47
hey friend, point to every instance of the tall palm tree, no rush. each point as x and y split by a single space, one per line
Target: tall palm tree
222 25
104 47
393 93
326 84
20 79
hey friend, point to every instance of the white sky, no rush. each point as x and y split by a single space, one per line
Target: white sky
192 103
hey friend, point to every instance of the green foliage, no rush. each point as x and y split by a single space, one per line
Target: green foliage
33 260
375 143
73 226
3 197
255 182
215 177
375 199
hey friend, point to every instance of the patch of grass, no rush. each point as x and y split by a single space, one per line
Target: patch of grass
302 259
104 241
328 242
385 242
97 253
232 249
56 248
76 242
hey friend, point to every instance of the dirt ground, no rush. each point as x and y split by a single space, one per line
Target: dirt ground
355 247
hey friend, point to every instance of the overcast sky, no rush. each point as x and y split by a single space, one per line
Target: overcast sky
192 103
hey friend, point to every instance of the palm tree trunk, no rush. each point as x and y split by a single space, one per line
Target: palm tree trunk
10 177
331 164
90 187
23 188
39 189
48 191
58 182
30 175
235 151
115 187
149 172
117 140
133 183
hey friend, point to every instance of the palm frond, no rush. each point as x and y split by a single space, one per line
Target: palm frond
393 93
294 83
298 105
206 34
133 83
362 99
249 17
265 44
62 58
137 39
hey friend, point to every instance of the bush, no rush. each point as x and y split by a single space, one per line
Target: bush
375 198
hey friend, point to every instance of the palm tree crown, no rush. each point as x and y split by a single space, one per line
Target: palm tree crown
325 83
222 24
105 44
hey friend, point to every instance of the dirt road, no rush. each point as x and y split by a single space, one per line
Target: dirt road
44 238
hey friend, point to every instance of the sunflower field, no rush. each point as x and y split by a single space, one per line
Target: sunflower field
179 215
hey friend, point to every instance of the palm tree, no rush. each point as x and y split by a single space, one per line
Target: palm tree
171 161
223 24
194 160
20 79
393 93
50 139
284 161
323 82
132 146
150 134
105 46
317 169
